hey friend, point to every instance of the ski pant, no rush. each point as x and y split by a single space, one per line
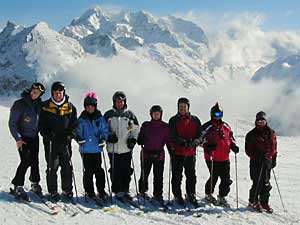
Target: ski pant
188 163
158 171
222 170
29 156
120 171
92 167
260 175
58 153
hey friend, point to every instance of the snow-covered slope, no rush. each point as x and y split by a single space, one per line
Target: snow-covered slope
34 53
282 69
14 213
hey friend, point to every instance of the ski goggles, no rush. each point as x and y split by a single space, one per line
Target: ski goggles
218 114
38 86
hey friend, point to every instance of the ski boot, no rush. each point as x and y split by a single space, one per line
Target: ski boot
254 206
54 196
192 199
267 208
37 189
210 199
179 200
222 202
20 193
67 195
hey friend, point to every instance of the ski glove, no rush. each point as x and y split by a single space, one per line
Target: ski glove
183 142
112 138
273 162
234 148
210 147
171 150
196 142
101 142
131 142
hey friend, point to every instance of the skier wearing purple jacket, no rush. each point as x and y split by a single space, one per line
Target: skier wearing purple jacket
153 136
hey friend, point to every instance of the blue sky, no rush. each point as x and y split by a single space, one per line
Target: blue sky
279 14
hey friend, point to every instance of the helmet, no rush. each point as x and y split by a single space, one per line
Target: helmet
156 108
38 86
261 116
119 95
90 99
216 111
183 100
58 86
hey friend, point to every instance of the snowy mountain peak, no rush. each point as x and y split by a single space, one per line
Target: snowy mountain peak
34 53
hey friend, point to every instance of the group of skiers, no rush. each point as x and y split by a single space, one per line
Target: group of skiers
118 129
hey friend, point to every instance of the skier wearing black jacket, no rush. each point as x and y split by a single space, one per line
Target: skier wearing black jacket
58 123
23 125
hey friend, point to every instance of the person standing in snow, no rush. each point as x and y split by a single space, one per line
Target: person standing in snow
91 134
261 148
58 122
23 125
153 136
123 133
185 132
217 141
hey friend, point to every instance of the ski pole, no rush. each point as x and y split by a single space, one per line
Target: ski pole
83 172
135 177
278 190
211 178
236 182
106 174
169 189
258 181
143 173
73 175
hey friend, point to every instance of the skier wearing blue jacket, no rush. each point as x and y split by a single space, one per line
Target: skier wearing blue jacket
92 132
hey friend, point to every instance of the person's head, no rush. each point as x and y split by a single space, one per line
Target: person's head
37 90
216 112
90 102
156 112
119 100
183 105
58 91
261 119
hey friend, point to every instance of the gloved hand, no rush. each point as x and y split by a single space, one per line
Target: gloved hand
274 162
210 147
183 142
131 142
140 141
234 148
112 138
81 142
52 136
101 142
171 150
194 143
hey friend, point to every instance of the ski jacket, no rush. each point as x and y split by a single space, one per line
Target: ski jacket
219 133
187 128
153 136
261 143
125 125
92 128
58 122
24 117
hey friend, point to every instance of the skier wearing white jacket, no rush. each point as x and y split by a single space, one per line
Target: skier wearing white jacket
123 133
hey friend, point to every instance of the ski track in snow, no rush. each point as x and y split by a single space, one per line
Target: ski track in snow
13 212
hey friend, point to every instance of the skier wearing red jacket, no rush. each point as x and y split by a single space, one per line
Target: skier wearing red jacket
217 141
185 132
261 147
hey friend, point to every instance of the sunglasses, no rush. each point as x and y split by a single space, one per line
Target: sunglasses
218 114
261 121
39 86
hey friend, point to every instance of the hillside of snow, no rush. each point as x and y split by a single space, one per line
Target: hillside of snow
34 53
